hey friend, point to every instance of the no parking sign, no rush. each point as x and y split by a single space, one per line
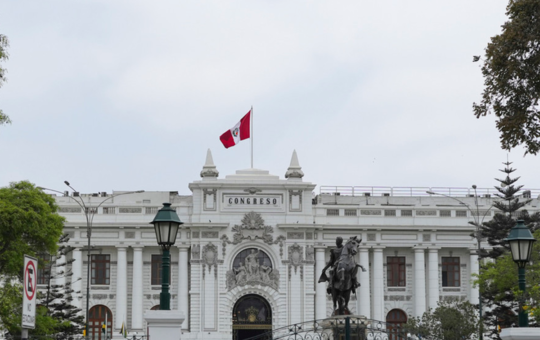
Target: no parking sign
29 292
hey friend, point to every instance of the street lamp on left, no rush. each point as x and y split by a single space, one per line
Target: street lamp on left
166 224
521 243
89 212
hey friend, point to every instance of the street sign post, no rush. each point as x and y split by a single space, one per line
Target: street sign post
29 293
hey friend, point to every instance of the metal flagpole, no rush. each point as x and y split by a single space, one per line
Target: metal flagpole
251 135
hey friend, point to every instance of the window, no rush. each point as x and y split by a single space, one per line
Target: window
395 271
450 272
445 213
156 269
332 212
461 213
101 269
349 212
395 320
406 212
44 269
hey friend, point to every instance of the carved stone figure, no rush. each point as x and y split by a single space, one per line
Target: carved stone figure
342 280
195 251
252 263
248 270
310 253
265 273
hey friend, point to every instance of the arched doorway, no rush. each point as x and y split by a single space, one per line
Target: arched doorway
395 319
97 316
252 316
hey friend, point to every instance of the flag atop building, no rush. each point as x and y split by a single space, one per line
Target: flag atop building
238 132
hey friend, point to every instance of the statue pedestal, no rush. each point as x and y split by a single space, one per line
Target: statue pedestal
524 333
358 326
164 324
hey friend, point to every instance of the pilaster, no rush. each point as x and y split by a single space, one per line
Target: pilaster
419 282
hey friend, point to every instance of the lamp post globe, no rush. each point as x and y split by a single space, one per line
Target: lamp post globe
521 242
166 224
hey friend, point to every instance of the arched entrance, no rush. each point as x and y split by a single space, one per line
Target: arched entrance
251 316
97 316
395 319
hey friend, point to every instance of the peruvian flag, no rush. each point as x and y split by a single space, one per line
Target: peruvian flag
238 132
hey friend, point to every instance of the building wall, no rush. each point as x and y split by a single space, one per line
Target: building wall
422 229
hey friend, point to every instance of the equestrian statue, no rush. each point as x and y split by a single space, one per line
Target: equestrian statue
343 270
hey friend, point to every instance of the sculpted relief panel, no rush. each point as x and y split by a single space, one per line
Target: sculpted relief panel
252 266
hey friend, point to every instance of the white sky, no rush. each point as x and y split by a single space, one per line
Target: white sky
128 95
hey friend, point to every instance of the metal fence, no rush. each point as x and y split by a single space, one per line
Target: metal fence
415 191
338 328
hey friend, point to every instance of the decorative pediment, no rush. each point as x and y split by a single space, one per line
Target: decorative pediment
252 228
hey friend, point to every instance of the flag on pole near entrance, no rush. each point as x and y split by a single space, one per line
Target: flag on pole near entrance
238 132
123 330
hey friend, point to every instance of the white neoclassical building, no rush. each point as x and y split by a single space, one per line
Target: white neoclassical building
252 247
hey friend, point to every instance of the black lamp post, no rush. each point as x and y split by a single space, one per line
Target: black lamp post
521 241
166 225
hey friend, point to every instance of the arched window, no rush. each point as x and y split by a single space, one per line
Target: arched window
395 319
97 316
261 258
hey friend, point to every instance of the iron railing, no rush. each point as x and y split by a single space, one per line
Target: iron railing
414 191
338 328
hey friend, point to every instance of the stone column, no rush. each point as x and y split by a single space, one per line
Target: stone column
364 296
183 287
137 290
320 288
474 293
419 282
76 279
378 285
433 277
121 287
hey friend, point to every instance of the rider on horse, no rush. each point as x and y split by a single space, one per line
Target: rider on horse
332 264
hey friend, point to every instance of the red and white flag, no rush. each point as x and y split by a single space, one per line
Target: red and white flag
238 132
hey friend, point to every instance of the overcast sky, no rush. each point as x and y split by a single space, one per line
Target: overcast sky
128 95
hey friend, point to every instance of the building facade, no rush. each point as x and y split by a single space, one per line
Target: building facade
253 245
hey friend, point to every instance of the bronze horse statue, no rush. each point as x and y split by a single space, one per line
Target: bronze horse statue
342 279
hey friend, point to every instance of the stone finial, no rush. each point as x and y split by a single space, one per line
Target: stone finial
209 169
294 170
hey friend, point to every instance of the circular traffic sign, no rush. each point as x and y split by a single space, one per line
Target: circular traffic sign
30 283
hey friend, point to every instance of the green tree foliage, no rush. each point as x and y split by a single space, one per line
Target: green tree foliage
449 321
499 281
4 43
10 313
498 277
511 73
29 225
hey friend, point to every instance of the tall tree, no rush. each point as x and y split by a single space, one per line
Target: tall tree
497 290
4 43
511 73
29 224
58 297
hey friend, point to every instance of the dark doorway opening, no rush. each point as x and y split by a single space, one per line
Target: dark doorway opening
252 316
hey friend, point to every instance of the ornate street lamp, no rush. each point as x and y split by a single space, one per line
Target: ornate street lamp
166 225
521 241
